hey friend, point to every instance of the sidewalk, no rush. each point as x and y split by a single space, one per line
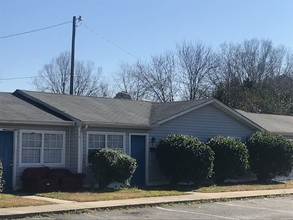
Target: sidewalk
65 206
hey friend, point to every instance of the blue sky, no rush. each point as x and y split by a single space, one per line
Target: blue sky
141 27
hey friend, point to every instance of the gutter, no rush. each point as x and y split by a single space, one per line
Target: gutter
117 125
62 123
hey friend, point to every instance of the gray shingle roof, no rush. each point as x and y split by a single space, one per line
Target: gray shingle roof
109 111
97 111
15 110
281 124
113 112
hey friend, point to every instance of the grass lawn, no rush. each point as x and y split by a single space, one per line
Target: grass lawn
246 187
11 200
129 193
8 200
125 193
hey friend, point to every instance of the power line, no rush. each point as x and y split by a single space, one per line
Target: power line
36 30
28 32
56 25
24 77
110 42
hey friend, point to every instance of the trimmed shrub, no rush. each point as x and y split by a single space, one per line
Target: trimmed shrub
231 158
270 155
126 167
185 159
111 165
1 177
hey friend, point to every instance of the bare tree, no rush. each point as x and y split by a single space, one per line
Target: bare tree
155 80
129 79
55 77
160 78
197 63
255 74
252 60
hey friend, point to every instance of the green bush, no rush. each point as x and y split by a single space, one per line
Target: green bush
185 159
270 155
111 165
231 158
1 177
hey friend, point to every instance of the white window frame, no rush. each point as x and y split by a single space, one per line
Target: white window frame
43 132
106 140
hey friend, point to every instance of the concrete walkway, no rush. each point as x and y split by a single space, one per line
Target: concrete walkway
65 206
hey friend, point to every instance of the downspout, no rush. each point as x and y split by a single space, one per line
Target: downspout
79 149
15 161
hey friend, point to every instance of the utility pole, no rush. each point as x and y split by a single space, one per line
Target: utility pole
79 19
72 55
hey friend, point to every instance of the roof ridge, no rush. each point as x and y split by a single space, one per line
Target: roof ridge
83 96
185 101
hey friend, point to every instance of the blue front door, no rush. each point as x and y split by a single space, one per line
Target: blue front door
6 152
138 152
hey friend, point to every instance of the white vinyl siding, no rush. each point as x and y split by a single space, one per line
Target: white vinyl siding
42 148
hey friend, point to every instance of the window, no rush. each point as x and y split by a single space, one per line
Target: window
53 146
115 142
97 141
31 148
40 147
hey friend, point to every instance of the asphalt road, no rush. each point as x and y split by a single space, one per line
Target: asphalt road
261 208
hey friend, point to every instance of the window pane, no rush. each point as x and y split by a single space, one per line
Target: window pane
25 136
31 147
96 141
25 143
91 153
53 140
59 138
115 141
31 156
52 155
32 140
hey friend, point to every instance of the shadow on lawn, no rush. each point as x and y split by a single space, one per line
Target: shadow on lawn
191 187
178 187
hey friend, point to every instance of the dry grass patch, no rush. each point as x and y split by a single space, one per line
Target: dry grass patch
128 193
246 187
8 200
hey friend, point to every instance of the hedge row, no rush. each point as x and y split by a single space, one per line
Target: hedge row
186 159
231 158
270 155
